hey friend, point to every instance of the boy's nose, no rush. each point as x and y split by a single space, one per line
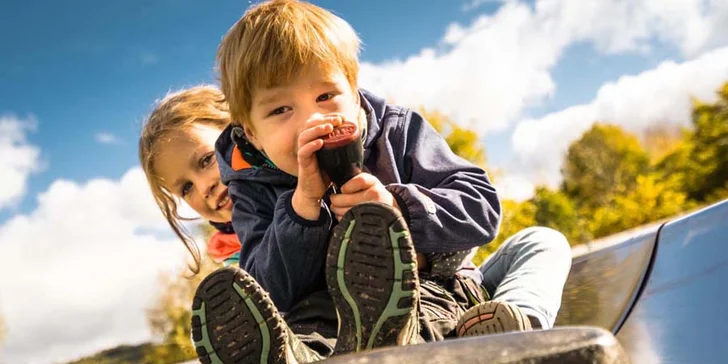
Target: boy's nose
316 116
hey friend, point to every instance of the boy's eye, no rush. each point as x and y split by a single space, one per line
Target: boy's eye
324 97
186 187
206 160
279 110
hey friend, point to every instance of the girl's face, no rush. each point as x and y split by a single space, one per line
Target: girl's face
187 166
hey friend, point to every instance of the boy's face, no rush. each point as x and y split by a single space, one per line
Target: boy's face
278 115
187 165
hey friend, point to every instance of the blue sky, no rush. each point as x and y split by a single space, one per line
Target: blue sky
88 67
530 76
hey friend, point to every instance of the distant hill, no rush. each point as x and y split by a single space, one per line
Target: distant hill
125 354
129 354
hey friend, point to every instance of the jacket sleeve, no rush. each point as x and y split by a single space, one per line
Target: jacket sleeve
449 203
282 251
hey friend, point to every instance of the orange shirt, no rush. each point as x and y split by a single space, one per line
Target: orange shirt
223 247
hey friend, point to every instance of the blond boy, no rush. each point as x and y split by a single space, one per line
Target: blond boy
289 71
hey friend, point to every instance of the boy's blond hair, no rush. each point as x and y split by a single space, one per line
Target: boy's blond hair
178 111
276 40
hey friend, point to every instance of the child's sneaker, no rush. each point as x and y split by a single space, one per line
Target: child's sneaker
371 272
492 317
234 321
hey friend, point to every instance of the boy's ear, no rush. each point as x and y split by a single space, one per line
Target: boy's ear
251 136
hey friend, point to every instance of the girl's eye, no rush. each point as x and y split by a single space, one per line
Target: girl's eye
279 110
186 189
207 159
324 97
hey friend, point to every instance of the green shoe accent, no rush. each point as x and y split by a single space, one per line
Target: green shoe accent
205 341
471 297
397 292
262 324
342 283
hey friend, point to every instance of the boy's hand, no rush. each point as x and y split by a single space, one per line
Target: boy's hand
362 188
311 184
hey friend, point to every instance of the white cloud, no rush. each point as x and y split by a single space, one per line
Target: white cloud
633 102
80 269
496 53
107 138
18 159
514 187
487 73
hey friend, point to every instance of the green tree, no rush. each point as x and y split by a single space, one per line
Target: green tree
718 194
603 164
700 163
676 165
516 216
650 200
663 139
709 152
556 210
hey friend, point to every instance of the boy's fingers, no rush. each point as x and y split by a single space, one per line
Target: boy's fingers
339 201
314 133
348 200
318 128
333 120
360 182
308 149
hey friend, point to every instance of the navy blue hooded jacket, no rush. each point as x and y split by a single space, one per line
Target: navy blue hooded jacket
449 204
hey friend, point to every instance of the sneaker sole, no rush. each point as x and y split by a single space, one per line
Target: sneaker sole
234 321
371 273
492 318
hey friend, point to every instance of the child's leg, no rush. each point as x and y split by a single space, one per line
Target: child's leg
443 302
234 321
529 271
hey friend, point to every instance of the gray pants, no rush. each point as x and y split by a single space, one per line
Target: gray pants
529 270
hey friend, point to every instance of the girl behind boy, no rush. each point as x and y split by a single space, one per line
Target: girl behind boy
181 133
